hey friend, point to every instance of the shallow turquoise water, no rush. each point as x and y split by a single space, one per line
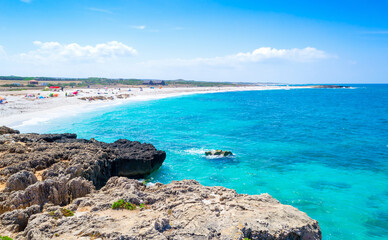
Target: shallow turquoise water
323 151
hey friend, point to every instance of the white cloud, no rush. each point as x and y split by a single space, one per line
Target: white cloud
100 10
55 51
262 54
294 54
141 27
3 54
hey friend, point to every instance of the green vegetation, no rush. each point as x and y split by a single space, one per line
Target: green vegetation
123 204
83 82
66 212
5 238
17 89
199 83
11 85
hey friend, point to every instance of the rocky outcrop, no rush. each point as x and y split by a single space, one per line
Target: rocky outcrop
55 155
66 167
7 130
180 210
56 186
219 153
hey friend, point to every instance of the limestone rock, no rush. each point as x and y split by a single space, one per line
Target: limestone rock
180 210
58 191
20 181
17 220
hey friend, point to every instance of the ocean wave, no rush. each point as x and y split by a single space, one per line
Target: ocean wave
196 151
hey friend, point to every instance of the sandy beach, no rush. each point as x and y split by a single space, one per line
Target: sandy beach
21 110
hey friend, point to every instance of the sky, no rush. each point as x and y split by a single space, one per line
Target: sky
215 40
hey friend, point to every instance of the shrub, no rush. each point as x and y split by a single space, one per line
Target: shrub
66 212
5 238
123 204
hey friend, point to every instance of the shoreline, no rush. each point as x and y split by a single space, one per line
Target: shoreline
22 111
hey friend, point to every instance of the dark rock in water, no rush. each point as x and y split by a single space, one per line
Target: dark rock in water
136 164
7 130
219 153
20 181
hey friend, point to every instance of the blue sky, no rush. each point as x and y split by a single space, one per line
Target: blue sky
257 41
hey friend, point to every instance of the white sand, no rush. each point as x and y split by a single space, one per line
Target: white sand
20 111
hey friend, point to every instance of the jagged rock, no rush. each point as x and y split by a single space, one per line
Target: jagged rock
180 210
58 191
7 130
17 220
54 155
136 164
20 181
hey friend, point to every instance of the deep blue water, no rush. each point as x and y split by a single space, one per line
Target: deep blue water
323 151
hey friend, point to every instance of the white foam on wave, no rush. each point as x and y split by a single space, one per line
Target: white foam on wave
219 157
195 151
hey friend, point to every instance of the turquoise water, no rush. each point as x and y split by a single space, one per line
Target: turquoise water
323 151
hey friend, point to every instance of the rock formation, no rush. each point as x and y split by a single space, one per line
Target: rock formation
330 86
7 130
219 153
55 186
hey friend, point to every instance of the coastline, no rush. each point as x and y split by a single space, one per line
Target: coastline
85 188
21 111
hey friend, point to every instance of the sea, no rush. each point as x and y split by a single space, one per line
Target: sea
323 151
